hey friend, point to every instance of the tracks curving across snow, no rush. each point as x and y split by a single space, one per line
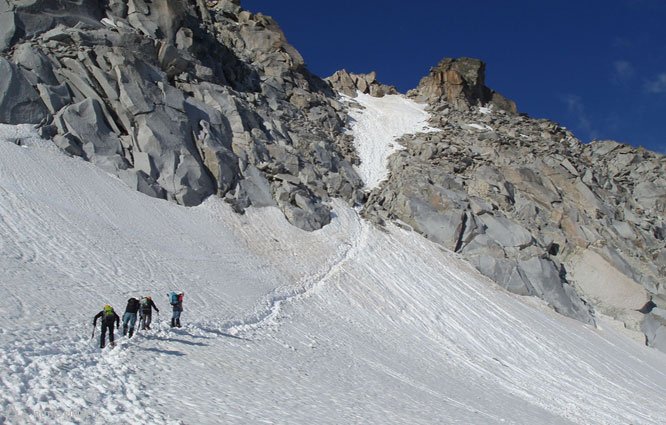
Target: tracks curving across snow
347 324
309 284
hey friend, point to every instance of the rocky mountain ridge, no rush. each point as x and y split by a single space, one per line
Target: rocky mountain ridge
581 226
183 99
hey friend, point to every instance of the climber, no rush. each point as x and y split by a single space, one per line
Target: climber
147 305
129 318
108 317
176 299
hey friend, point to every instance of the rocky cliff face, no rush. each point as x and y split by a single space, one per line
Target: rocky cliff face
581 226
181 100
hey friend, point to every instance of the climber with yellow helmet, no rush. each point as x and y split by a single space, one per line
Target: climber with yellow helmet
108 318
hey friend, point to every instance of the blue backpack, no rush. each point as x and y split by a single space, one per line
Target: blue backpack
174 298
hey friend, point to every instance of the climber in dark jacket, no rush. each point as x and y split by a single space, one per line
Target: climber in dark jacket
108 317
147 306
129 318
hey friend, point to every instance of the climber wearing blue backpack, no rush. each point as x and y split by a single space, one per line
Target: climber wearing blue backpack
108 317
176 299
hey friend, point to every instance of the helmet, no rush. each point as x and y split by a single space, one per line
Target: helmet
180 293
148 297
107 306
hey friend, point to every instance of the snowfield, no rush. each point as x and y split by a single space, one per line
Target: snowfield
348 324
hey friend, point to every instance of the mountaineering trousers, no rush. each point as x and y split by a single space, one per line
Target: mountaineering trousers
146 318
129 320
175 319
105 326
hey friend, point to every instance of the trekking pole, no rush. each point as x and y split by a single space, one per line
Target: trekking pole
93 334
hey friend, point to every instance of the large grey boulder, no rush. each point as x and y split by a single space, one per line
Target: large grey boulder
166 137
19 101
85 122
505 273
34 17
304 213
505 232
54 97
254 189
7 25
156 18
547 284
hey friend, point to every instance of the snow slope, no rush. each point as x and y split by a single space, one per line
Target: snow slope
348 324
376 125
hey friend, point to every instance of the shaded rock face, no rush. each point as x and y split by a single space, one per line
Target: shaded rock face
533 208
461 83
180 99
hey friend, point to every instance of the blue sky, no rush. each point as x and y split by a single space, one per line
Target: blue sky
596 67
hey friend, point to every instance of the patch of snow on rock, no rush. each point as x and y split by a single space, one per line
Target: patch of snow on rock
481 127
375 128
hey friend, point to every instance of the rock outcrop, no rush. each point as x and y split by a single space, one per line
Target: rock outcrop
460 83
351 84
533 208
180 99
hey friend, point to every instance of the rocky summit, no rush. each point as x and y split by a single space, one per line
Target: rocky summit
187 99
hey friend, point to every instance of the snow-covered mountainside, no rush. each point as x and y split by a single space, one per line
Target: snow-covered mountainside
183 100
346 324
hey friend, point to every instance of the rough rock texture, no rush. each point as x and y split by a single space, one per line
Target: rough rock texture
580 225
181 99
461 83
350 84
20 103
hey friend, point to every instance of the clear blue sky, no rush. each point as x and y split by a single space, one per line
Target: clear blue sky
597 67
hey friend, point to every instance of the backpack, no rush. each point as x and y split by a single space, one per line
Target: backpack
174 298
108 313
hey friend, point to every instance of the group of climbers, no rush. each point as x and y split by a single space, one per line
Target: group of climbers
144 307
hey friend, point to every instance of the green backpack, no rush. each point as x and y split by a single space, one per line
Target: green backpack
108 312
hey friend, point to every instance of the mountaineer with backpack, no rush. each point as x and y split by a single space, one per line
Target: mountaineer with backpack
176 300
147 306
129 318
108 317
